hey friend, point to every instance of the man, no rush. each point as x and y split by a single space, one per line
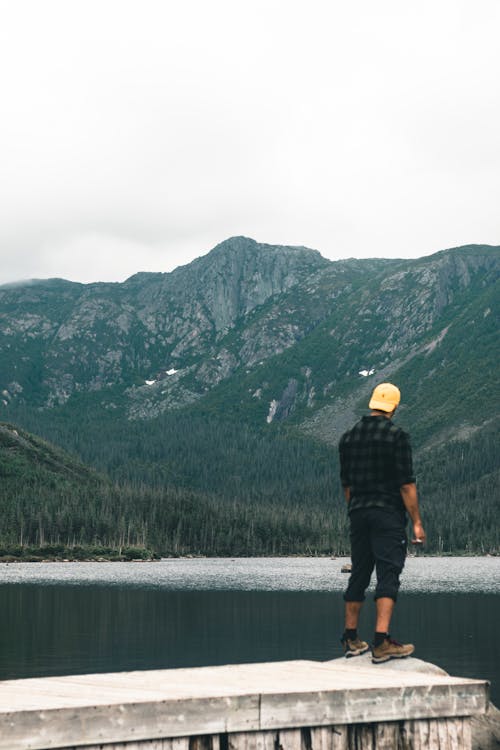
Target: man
376 472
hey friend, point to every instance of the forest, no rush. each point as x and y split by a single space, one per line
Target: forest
191 485
236 453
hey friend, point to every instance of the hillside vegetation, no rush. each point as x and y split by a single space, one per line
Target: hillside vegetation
211 400
52 503
218 490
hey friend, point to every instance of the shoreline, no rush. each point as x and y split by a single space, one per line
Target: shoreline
11 559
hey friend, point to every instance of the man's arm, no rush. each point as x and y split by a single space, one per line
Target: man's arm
408 488
410 500
343 471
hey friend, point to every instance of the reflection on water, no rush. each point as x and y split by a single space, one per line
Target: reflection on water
71 628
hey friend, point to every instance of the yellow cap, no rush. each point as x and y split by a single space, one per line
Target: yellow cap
385 397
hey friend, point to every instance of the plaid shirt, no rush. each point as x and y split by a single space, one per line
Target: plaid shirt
375 460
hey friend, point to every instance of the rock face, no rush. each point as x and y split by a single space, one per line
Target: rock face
411 664
485 729
280 331
62 338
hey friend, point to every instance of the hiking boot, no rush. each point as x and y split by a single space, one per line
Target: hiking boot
354 647
391 649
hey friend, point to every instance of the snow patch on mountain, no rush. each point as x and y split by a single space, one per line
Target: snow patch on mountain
272 411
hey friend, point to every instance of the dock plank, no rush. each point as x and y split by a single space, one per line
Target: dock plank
174 684
61 712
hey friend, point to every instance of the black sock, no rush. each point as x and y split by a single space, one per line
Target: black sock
351 634
379 638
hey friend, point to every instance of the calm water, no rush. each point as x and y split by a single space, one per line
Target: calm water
62 618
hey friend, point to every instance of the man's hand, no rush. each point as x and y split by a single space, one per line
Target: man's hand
410 500
418 533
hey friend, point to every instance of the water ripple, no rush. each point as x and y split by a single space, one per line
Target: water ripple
421 574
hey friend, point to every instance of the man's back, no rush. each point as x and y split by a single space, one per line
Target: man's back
375 460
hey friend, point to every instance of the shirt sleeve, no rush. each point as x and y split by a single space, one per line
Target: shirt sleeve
403 460
343 464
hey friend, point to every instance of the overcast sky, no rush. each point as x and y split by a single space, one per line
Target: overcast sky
137 134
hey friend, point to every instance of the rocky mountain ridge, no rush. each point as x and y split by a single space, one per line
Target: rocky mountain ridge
268 333
58 337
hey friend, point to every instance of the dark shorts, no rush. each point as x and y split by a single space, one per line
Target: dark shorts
378 540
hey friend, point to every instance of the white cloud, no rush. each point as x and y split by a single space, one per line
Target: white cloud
160 128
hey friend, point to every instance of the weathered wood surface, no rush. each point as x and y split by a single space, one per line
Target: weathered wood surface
436 734
74 711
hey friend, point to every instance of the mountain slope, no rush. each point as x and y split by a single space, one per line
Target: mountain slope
60 338
430 325
233 377
50 504
282 328
42 488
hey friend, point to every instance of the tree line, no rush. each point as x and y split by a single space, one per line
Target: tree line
183 484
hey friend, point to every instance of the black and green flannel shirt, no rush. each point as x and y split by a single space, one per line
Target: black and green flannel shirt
375 460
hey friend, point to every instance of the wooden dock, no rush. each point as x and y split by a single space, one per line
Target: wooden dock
294 705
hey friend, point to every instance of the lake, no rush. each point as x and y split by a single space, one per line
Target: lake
68 618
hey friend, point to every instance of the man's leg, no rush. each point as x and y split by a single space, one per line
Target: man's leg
352 610
362 568
388 542
389 548
385 608
362 560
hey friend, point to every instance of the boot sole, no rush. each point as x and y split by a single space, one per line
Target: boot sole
382 659
360 651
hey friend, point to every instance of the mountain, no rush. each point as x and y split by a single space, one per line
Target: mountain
431 325
59 338
281 330
249 363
